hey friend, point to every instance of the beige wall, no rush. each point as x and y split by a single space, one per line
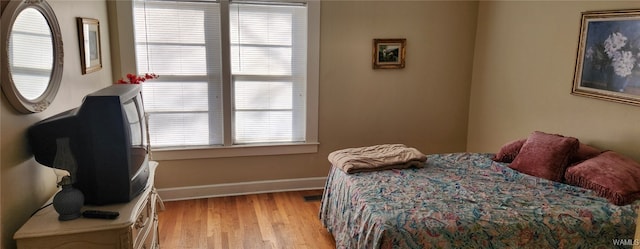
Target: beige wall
423 105
26 185
523 71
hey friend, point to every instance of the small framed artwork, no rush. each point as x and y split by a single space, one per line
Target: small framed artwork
389 53
89 39
608 58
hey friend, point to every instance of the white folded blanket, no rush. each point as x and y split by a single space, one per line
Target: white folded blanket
377 157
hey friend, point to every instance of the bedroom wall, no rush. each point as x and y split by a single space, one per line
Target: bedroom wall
522 76
25 184
424 105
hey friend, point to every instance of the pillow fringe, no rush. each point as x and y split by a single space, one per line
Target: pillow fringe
613 197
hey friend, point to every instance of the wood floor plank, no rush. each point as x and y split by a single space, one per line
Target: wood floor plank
261 221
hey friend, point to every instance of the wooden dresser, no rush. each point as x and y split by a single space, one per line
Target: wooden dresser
135 228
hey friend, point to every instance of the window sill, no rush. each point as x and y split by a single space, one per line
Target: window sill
165 154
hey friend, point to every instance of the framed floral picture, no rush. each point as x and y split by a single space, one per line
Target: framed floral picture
608 60
388 53
89 40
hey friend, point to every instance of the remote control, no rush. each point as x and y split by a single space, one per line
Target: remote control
98 214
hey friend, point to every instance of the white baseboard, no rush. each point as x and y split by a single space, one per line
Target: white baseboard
241 188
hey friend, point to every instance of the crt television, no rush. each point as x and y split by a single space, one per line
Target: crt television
107 136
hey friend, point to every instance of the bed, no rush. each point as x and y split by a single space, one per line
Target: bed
467 200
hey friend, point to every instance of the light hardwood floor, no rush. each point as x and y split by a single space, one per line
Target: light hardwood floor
273 220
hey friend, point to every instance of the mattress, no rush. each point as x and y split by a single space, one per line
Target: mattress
466 200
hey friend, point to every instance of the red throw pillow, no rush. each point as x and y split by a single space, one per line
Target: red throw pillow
610 174
545 155
584 152
509 151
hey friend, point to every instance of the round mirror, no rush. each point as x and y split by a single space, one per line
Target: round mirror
31 55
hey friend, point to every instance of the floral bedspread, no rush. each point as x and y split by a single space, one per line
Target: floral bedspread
465 200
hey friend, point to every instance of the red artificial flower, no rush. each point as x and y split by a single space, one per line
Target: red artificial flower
137 79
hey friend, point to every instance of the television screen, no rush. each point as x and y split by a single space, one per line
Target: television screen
138 131
135 124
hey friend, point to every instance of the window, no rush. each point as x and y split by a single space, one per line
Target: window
181 42
268 58
231 73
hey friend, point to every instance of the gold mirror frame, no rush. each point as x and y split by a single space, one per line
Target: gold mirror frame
17 100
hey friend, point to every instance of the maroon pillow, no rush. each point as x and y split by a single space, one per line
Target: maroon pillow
610 174
509 151
545 155
584 152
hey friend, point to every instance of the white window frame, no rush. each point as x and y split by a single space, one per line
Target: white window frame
122 36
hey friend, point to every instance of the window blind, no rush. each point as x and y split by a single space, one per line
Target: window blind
268 58
181 42
31 64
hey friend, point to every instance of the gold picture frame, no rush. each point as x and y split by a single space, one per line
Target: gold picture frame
389 53
89 40
607 63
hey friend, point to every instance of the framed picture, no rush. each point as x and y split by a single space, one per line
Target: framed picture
608 60
89 39
388 53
